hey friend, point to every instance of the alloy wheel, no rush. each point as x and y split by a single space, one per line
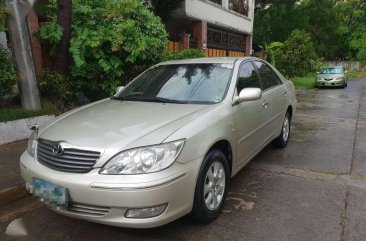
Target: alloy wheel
214 185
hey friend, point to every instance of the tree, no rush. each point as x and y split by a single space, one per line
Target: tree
276 19
273 50
353 24
64 11
298 54
323 23
336 26
109 41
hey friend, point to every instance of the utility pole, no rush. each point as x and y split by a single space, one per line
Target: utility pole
22 50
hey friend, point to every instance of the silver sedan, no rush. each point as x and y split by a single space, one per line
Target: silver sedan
164 146
333 76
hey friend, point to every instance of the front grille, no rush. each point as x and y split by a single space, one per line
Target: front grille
79 208
70 159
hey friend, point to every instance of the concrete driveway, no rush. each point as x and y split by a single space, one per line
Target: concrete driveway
315 189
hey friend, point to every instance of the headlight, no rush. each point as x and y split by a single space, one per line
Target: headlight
340 78
144 160
32 143
319 78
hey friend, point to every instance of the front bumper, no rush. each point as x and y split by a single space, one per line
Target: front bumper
115 194
330 83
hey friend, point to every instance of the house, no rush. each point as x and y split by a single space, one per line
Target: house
218 27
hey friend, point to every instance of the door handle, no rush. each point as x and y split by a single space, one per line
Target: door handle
265 105
284 92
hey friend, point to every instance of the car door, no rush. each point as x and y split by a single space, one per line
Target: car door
274 99
249 116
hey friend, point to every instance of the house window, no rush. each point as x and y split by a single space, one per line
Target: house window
239 6
219 39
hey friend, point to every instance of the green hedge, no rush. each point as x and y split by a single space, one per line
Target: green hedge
7 72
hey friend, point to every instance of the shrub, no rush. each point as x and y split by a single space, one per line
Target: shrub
7 72
3 15
184 54
361 56
50 33
57 88
298 55
109 38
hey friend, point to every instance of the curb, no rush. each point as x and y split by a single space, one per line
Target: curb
16 130
12 193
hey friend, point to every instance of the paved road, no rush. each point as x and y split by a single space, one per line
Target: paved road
315 189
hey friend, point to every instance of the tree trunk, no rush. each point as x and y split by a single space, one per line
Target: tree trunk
64 11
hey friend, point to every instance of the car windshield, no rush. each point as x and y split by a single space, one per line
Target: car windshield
332 70
180 83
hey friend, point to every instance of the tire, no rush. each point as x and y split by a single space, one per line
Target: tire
214 172
282 140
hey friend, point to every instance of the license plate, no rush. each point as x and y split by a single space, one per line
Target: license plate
50 193
328 84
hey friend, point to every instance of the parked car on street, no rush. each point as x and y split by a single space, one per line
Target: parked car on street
333 76
164 146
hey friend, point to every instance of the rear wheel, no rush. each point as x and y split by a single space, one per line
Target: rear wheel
211 187
282 140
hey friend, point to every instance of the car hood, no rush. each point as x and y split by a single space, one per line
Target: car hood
330 76
119 125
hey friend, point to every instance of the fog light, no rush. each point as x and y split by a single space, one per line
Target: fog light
146 212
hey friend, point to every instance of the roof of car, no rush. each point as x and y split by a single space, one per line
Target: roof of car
219 60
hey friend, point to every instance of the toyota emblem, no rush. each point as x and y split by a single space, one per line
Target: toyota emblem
57 150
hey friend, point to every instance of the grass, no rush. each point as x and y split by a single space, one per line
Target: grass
353 74
308 81
17 112
305 82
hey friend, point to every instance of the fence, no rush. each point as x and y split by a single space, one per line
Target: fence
236 54
355 65
173 47
210 52
215 53
222 53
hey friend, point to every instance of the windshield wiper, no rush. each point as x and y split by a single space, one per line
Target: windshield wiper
165 100
148 99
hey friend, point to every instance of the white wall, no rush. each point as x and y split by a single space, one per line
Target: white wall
3 40
218 15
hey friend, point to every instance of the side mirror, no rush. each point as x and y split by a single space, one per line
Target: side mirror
346 71
318 72
248 94
119 89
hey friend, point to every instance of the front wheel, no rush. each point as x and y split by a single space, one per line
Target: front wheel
282 140
211 187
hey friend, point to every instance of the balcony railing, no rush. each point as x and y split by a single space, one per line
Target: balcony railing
216 1
239 6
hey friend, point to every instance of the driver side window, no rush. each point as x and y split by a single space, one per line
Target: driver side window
247 77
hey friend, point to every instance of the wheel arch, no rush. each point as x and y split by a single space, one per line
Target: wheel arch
224 146
290 111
